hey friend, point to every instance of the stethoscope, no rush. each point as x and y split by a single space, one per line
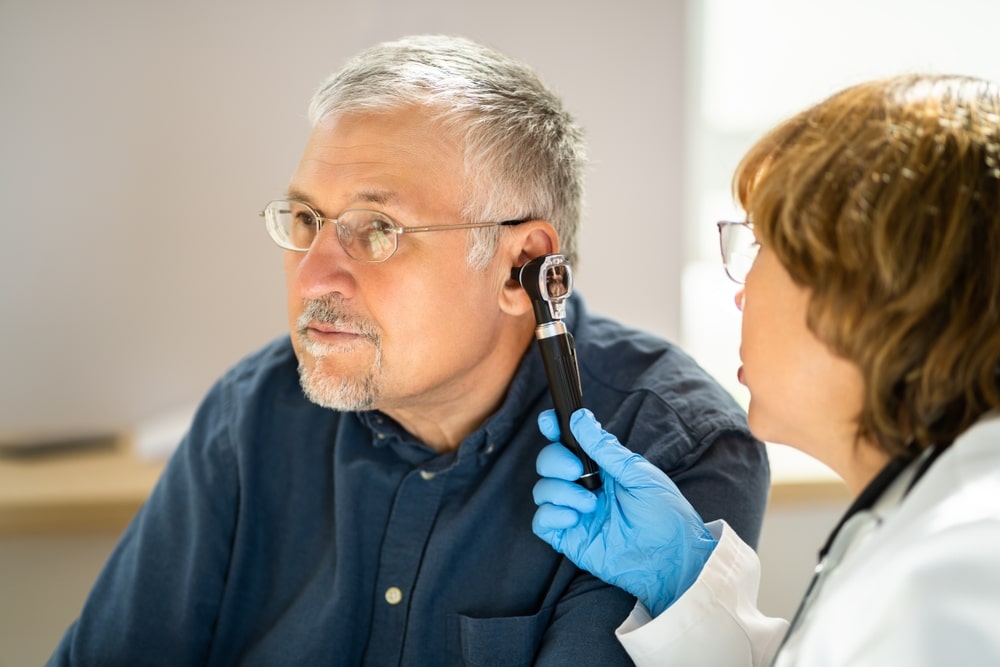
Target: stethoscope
856 519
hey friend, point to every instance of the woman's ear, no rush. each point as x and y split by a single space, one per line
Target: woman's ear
531 239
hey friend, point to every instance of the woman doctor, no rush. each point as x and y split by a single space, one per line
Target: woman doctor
871 341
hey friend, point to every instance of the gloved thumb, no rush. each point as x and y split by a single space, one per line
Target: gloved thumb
601 446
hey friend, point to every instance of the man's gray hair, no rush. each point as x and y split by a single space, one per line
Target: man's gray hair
524 154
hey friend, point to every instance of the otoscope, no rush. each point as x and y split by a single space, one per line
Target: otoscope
548 281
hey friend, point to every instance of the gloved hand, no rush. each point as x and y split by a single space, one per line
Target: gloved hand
637 532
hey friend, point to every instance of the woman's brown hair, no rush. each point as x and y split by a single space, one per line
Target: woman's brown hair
884 201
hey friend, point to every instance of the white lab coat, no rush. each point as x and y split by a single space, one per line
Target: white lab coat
917 583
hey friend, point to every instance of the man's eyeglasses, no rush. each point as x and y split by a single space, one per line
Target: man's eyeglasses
739 248
367 236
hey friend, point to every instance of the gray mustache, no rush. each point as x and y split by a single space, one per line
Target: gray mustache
329 310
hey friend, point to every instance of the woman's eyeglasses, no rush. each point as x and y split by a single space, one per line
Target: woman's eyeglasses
739 248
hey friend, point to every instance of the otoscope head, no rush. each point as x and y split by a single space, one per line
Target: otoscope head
548 281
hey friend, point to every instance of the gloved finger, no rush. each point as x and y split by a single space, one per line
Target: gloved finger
624 465
548 424
556 461
564 494
549 518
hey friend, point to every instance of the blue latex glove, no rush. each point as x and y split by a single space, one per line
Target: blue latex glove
637 532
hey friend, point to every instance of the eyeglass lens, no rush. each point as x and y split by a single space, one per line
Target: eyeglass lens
365 235
739 249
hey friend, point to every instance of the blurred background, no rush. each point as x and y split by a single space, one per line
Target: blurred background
138 140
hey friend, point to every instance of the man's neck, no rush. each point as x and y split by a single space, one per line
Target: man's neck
444 418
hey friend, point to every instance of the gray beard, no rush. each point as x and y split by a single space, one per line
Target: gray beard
341 393
360 392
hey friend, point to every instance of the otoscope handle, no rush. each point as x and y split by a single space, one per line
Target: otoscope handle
559 358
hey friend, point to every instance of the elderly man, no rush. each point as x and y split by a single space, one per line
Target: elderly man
359 493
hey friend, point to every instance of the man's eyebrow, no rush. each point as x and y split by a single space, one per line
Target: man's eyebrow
379 197
297 195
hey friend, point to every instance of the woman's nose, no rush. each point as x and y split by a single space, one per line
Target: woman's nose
739 298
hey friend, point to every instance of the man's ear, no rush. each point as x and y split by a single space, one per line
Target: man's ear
530 240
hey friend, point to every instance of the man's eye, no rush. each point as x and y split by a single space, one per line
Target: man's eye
379 228
304 219
378 236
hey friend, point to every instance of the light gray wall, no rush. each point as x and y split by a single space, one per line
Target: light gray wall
140 139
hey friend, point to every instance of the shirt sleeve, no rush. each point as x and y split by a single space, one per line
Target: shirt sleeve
156 600
716 622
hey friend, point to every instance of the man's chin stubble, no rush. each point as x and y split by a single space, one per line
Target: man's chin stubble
337 392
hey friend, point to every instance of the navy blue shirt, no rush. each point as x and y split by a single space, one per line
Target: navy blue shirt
283 533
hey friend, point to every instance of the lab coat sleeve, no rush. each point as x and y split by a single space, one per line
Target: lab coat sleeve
716 622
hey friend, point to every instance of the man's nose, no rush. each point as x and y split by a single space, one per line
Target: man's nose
325 267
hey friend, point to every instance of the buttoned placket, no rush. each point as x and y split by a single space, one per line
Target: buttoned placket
415 507
411 520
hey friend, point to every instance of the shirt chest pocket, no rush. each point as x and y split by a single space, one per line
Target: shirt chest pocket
507 641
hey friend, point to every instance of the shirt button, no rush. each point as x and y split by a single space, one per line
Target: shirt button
490 447
393 595
427 475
